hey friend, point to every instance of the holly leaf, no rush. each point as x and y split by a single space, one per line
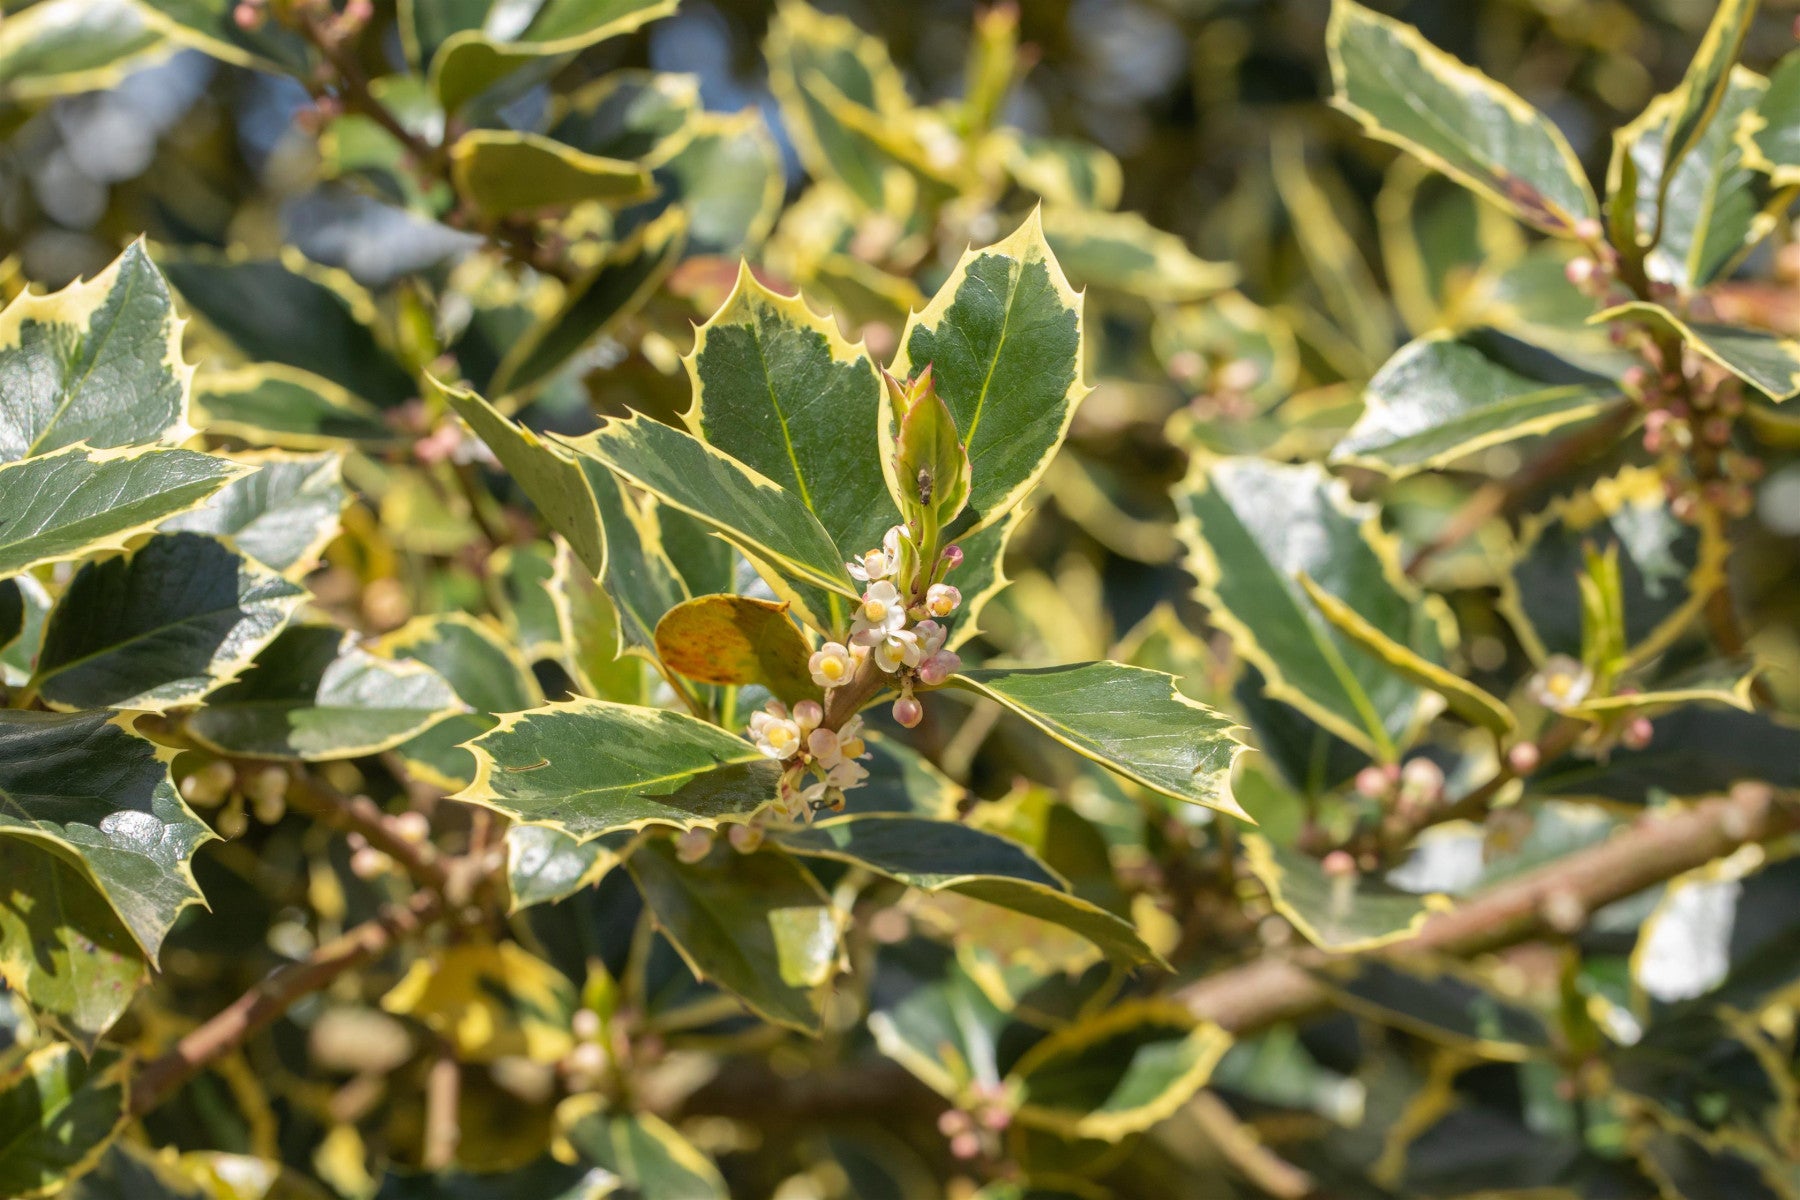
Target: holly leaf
64 47
1406 92
1769 136
283 514
728 179
471 47
1117 1073
62 947
77 502
1767 361
645 116
1341 915
941 855
58 1111
1447 1004
587 767
315 695
757 515
161 627
489 1000
210 27
1122 252
274 405
1252 529
755 924
1003 338
485 671
1444 397
1128 720
643 1152
84 787
98 362
776 384
737 640
544 865
503 172
1705 83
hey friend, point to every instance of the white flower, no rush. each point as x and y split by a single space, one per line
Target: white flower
847 774
850 740
939 666
881 613
1561 683
941 599
808 714
777 737
825 747
931 636
897 649
830 665
879 564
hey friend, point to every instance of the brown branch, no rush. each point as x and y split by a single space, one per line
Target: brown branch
263 1004
1659 847
361 815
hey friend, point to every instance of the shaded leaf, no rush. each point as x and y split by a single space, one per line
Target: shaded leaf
1704 85
1117 1073
1128 720
504 172
283 514
649 1157
645 116
161 627
728 179
755 924
544 865
489 1000
586 767
1693 751
1408 93
1769 137
82 785
276 405
57 1113
486 673
1447 1005
1123 252
544 1179
470 47
208 26
1762 359
314 695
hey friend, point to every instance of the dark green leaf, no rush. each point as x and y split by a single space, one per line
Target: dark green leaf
1341 914
648 1156
58 1111
274 405
210 26
283 514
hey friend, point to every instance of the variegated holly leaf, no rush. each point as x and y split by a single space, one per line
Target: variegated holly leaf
780 389
1063 171
58 1111
1694 751
606 293
543 1179
941 855
645 116
643 1152
98 362
729 180
1408 93
488 1000
1704 86
1128 720
283 514
737 640
1116 1073
314 695
1441 1002
275 405
1003 338
523 576
63 47
544 865
1764 360
755 924
503 172
1668 568
83 786
471 47
288 311
1252 529
765 521
77 501
1442 398
1124 253
1716 208
131 1172
25 605
487 674
1342 914
65 950
211 27
586 767
1769 136
161 627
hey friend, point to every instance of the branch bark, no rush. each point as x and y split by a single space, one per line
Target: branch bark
263 1004
1269 990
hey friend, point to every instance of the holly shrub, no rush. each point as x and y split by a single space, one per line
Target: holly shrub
570 628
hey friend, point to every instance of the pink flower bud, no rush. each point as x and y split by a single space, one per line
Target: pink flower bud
908 712
1524 757
693 845
745 838
1372 782
808 714
953 557
1579 271
1638 732
1338 864
939 667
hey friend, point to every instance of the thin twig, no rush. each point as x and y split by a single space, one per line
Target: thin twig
361 815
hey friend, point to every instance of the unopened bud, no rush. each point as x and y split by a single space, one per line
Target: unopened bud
413 826
1580 271
693 845
585 1024
954 1121
247 16
808 714
908 712
953 557
1423 777
1588 229
745 839
1637 734
1372 782
1338 864
966 1146
368 863
1524 757
1563 911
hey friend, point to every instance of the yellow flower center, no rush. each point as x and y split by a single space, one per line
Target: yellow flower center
781 736
832 668
875 610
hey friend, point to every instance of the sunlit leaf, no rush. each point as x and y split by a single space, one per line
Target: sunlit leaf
503 172
64 47
489 1000
58 1111
737 640
1342 914
283 514
1760 358
646 1154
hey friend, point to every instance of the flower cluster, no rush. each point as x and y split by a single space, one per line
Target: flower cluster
898 627
800 740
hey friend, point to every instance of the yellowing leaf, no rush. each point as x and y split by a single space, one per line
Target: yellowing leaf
490 1000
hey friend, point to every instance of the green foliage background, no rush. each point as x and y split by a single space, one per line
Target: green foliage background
414 474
